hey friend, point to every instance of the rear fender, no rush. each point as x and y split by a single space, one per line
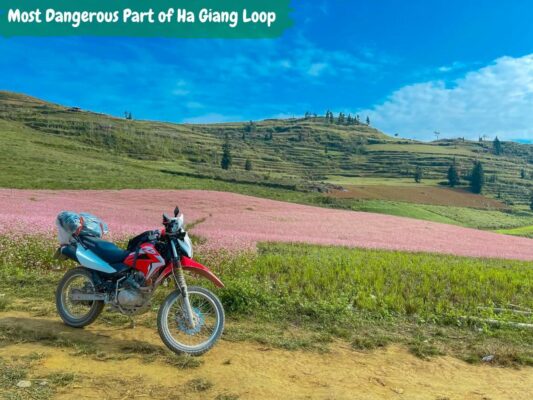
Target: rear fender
65 252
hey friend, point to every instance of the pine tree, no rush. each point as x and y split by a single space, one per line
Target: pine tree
497 146
250 127
523 173
248 165
225 162
531 203
418 174
477 178
453 176
368 120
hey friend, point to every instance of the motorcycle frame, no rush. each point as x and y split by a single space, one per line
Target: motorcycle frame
174 267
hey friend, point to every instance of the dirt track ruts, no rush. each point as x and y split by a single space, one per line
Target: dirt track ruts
251 371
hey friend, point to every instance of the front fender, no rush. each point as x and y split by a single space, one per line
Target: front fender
194 267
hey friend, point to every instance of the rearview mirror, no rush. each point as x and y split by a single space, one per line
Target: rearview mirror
176 211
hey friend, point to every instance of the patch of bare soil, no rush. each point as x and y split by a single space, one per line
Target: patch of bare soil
420 194
241 370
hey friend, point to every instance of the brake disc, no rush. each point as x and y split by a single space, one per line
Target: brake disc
183 324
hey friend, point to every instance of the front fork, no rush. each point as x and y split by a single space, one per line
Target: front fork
179 278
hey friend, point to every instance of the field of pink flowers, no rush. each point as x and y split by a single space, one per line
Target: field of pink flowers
232 221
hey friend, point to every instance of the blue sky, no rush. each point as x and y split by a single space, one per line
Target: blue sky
463 68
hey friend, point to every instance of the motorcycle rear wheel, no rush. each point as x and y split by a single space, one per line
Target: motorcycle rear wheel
77 314
173 326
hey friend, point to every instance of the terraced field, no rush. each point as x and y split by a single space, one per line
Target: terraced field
420 194
293 154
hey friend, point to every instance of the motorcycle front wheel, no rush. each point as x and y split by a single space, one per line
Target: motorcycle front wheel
174 326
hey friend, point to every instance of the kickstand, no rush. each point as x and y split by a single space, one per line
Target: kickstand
132 322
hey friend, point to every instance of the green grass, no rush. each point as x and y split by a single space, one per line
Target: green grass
378 181
415 147
17 369
463 216
324 282
199 385
526 231
303 296
432 304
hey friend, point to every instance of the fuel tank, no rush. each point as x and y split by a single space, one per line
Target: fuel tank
145 259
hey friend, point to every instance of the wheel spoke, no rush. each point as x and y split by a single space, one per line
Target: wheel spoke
77 309
205 317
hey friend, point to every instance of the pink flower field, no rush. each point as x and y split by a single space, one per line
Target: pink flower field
232 221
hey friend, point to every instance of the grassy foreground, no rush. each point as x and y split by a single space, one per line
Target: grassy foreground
299 296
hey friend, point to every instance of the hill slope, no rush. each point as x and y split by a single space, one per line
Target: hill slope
51 146
295 150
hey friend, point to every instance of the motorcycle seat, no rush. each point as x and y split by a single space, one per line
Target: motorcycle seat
107 251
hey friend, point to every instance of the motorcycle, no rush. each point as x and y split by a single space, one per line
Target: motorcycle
190 319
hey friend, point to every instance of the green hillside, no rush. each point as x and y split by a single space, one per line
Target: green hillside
304 160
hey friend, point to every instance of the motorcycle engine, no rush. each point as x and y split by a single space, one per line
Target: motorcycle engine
131 297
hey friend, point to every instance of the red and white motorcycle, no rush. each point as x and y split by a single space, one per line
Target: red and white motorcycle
190 319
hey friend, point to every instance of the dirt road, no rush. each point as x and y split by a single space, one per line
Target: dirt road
242 370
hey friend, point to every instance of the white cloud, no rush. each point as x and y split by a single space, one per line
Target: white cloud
285 63
324 8
180 92
194 105
285 116
295 58
211 118
496 100
451 67
316 69
181 88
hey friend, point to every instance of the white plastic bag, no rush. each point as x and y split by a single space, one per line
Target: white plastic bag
69 223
